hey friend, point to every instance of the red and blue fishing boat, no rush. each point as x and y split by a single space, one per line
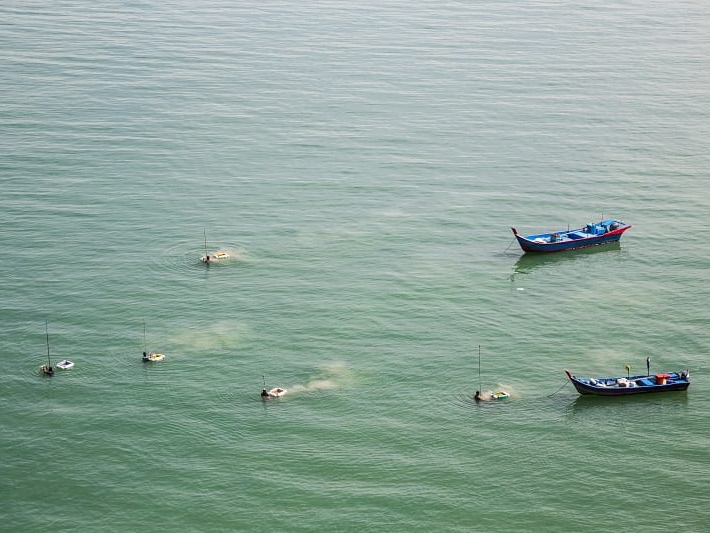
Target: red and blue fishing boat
624 386
593 234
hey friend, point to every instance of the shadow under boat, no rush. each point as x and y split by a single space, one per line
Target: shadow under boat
528 262
590 403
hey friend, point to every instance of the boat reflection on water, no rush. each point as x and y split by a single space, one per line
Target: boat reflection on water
590 405
528 263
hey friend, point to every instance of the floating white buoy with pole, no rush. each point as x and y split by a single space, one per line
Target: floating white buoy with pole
497 395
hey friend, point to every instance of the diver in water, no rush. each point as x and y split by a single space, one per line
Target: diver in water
264 394
478 396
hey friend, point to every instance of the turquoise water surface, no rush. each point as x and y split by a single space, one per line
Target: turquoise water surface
362 164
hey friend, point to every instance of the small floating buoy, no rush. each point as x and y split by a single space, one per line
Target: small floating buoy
276 392
152 357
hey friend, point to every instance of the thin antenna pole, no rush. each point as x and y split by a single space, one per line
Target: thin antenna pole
145 345
46 330
480 387
205 242
263 378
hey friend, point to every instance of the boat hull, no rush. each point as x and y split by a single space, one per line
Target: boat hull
620 386
604 232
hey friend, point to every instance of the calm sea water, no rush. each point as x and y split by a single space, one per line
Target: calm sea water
362 164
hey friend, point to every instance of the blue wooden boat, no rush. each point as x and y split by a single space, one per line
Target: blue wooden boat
606 231
623 386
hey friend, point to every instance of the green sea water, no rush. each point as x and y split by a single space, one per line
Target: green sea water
362 164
